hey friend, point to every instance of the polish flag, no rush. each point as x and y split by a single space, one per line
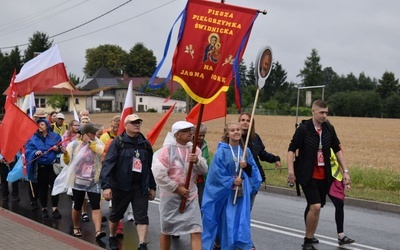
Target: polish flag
156 130
213 110
42 72
128 108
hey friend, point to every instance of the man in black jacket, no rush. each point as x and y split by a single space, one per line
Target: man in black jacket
126 177
313 140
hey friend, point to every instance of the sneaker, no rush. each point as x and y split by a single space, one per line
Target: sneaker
120 233
56 214
142 246
113 243
308 246
130 216
345 240
44 213
315 240
85 217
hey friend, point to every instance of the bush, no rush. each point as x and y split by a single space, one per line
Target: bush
152 110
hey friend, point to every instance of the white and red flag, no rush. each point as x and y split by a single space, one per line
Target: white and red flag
128 108
41 72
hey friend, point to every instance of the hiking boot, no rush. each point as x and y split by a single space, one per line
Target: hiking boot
315 240
113 243
308 246
56 214
44 213
142 246
345 240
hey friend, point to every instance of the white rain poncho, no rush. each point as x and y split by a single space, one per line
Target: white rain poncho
170 166
84 168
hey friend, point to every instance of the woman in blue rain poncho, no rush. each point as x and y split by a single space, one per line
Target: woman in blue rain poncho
225 224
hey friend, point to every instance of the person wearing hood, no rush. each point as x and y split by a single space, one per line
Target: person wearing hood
41 153
227 225
170 166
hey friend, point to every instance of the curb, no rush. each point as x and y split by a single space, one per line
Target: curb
367 204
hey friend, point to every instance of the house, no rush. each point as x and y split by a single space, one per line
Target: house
104 93
109 93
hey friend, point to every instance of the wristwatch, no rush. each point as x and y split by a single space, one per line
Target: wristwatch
346 171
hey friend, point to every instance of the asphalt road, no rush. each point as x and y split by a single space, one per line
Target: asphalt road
277 223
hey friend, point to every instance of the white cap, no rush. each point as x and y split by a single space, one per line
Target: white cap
60 115
180 125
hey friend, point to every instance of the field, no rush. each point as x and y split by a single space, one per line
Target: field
371 143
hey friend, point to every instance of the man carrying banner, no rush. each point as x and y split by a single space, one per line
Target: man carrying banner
170 164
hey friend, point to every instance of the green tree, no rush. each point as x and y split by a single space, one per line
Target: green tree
388 85
113 57
243 74
141 61
74 78
251 75
57 101
39 42
275 82
391 106
312 74
365 82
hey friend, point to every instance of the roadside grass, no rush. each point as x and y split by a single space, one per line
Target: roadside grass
366 183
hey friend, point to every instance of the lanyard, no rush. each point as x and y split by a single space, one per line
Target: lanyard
236 159
320 137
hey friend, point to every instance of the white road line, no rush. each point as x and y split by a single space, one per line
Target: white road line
295 233
298 233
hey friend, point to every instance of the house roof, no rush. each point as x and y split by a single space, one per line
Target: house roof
102 78
138 82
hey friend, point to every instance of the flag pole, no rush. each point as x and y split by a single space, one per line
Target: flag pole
263 68
247 141
189 173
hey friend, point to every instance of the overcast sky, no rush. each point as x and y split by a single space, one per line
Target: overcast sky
350 35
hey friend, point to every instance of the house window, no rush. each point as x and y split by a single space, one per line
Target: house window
76 100
40 102
140 99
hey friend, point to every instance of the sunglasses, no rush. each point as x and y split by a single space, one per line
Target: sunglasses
187 130
136 123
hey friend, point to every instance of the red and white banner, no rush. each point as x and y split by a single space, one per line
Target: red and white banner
213 36
128 108
42 72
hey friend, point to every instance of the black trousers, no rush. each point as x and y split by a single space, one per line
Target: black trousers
4 170
46 177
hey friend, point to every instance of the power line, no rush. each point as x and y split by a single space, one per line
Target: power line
91 19
115 24
25 44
